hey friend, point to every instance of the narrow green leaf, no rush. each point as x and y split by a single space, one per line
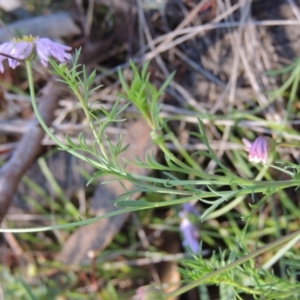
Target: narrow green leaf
130 203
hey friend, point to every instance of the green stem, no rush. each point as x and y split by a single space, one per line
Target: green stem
160 142
245 289
232 265
222 180
90 121
259 188
181 150
42 122
223 210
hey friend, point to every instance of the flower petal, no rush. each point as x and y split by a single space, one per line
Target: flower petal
247 144
190 233
46 48
258 150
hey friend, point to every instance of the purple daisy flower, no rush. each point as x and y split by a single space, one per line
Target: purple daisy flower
258 150
18 50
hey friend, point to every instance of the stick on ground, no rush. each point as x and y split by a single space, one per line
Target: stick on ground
28 147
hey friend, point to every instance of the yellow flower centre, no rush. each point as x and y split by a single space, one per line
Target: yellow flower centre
25 38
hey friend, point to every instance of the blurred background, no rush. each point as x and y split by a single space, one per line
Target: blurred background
223 75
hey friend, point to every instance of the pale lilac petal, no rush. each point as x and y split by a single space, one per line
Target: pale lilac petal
16 52
46 48
190 234
247 143
13 63
189 231
20 50
258 150
1 67
43 57
42 48
189 208
58 51
2 58
8 48
3 47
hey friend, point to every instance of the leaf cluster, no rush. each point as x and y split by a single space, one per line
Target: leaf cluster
143 94
242 279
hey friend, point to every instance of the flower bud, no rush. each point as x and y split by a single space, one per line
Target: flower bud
259 150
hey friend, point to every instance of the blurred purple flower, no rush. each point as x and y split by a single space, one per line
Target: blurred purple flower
190 234
191 209
258 150
189 231
21 49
